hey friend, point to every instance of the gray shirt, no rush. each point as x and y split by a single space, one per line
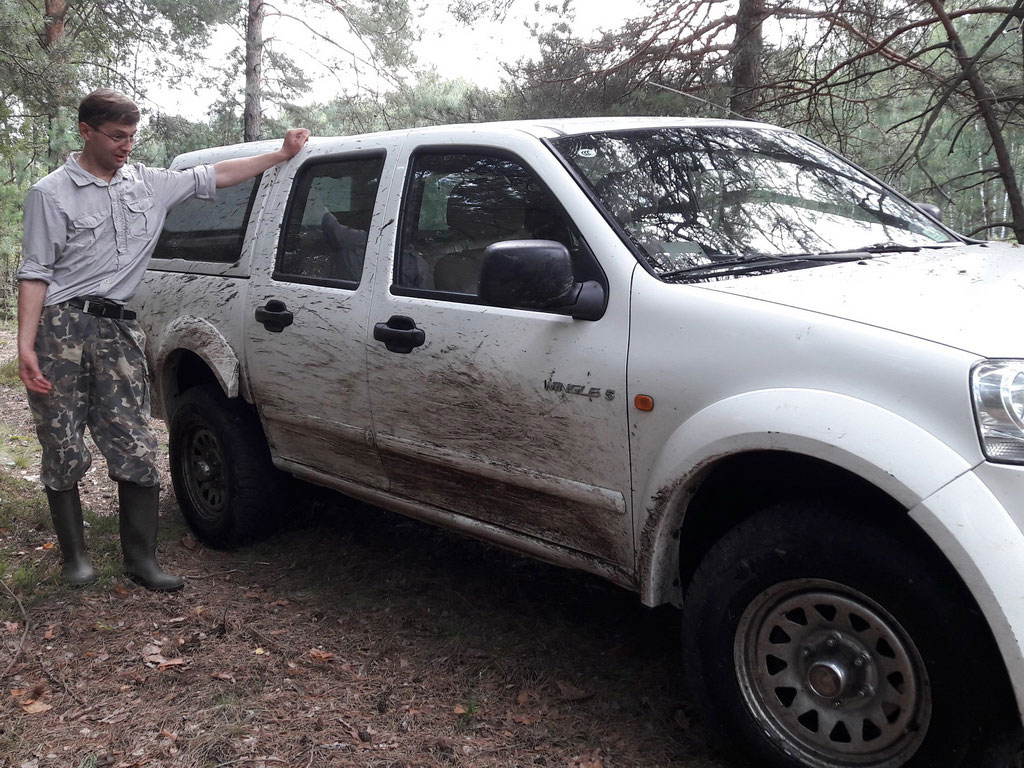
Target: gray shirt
87 237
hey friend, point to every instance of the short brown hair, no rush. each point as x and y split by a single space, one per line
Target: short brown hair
105 105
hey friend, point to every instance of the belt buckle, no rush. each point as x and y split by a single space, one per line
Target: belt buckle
85 306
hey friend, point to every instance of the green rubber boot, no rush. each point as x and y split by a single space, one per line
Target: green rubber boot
140 515
66 511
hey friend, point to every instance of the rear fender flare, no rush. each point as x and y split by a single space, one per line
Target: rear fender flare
201 338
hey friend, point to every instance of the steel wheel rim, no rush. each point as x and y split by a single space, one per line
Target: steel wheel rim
831 677
206 479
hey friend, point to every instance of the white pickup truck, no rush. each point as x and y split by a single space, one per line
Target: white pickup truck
710 361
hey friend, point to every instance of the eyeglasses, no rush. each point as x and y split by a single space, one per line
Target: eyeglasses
130 140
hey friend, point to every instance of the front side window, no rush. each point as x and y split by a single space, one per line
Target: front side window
457 204
693 197
208 230
324 237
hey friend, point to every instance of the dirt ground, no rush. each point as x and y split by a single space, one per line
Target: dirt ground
356 638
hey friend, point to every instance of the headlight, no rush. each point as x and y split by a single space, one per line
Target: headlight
998 387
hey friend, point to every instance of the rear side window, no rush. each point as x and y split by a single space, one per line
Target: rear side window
324 238
208 230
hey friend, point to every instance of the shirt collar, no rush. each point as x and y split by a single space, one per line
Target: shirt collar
82 177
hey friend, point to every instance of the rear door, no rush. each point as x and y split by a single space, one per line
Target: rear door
512 417
306 314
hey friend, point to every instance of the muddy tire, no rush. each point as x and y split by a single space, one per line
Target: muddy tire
825 641
227 487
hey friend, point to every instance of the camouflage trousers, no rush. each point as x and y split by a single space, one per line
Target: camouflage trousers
97 366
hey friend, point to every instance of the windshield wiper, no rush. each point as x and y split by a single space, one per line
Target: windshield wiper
890 247
759 260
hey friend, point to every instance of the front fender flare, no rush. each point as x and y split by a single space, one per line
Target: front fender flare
880 446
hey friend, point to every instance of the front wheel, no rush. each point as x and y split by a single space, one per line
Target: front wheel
227 487
826 641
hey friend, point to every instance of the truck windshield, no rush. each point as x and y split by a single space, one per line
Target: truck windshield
715 201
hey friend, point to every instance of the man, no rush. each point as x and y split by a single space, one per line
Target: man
90 229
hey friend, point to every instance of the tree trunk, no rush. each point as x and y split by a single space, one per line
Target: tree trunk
53 23
253 70
54 12
746 56
983 97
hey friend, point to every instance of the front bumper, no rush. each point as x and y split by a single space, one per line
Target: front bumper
978 522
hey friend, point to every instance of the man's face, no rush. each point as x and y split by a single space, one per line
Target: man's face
108 145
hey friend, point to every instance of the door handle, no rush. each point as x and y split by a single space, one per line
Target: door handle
399 334
274 316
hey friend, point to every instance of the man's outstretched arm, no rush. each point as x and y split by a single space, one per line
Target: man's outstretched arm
231 172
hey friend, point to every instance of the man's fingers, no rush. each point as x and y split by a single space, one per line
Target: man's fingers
37 384
295 139
33 378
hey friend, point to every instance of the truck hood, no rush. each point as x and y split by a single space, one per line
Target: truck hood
970 296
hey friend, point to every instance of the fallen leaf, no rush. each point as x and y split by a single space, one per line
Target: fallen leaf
320 655
166 663
589 760
223 676
259 651
48 545
282 602
570 692
188 541
150 649
35 707
252 595
120 590
524 719
12 627
458 709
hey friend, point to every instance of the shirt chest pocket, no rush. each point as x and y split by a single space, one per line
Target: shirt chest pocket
141 215
86 228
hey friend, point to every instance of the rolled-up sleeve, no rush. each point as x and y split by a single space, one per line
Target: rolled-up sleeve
44 236
173 187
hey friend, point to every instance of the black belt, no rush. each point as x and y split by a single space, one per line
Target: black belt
102 308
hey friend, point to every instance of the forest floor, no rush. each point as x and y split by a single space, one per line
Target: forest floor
354 638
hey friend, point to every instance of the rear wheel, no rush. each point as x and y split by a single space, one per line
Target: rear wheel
226 484
825 641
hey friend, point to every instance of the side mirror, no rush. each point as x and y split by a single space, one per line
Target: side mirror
537 274
932 210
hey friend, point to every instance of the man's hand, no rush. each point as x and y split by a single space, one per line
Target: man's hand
238 169
294 140
31 376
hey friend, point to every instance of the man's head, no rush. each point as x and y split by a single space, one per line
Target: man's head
107 121
106 105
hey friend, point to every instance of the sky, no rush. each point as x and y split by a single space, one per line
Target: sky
474 54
